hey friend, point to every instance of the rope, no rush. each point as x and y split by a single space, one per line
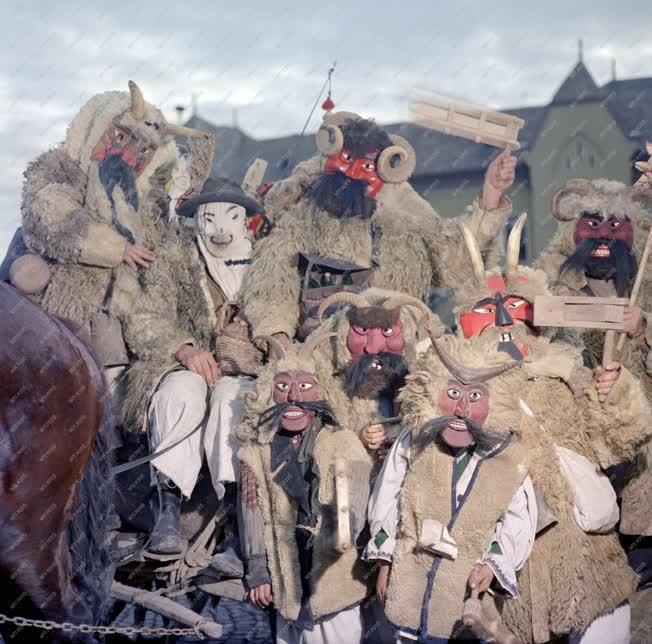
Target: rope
321 91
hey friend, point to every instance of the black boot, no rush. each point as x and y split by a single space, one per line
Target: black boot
166 538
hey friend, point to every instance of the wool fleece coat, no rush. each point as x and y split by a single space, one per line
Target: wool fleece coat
417 249
179 305
572 576
338 581
611 198
68 218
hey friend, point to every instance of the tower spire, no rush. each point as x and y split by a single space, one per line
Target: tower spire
613 69
580 50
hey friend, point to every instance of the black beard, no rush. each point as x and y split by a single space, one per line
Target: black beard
272 415
114 171
620 266
342 197
363 381
485 439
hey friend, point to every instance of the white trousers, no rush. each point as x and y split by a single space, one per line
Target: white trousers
344 627
179 405
612 628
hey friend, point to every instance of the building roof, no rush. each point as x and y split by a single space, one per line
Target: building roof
629 102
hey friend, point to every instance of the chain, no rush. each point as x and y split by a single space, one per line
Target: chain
49 625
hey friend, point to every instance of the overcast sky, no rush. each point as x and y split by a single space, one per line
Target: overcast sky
265 61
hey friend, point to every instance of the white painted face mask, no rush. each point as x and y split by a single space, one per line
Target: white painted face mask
223 230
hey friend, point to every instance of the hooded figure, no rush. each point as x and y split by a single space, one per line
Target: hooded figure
93 207
183 377
577 580
596 252
351 220
292 442
453 505
371 353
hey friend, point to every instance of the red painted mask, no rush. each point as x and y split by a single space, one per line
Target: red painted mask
361 341
356 168
594 226
119 141
295 386
463 401
501 310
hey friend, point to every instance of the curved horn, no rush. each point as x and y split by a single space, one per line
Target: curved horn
513 250
312 342
137 101
396 163
402 299
329 139
468 375
339 118
580 187
182 130
345 297
477 263
274 346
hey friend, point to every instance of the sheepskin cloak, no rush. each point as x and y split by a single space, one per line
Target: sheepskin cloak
175 307
426 592
417 249
338 581
67 218
610 197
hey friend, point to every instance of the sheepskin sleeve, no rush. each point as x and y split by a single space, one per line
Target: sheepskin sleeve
485 225
272 286
620 425
55 222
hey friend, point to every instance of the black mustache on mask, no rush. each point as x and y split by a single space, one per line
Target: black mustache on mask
485 439
365 381
619 266
272 415
341 196
114 171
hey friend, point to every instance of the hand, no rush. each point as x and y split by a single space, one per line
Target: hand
136 255
383 579
261 595
634 321
480 578
284 339
498 178
605 379
373 436
200 362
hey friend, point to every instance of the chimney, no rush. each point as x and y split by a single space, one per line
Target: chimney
613 69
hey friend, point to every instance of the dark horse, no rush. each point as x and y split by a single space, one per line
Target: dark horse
56 501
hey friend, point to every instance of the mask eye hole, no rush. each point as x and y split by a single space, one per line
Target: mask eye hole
347 156
234 216
282 386
592 223
454 394
304 386
614 224
485 310
389 331
516 304
369 166
360 330
474 396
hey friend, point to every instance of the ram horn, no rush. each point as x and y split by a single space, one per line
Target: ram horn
274 346
345 297
580 187
330 139
137 101
469 375
311 344
182 130
396 163
408 300
477 263
513 250
340 118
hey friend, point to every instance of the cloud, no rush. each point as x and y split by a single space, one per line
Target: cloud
263 63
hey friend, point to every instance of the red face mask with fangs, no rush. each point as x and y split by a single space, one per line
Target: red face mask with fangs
356 168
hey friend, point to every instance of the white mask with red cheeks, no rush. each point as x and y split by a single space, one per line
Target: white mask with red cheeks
295 386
